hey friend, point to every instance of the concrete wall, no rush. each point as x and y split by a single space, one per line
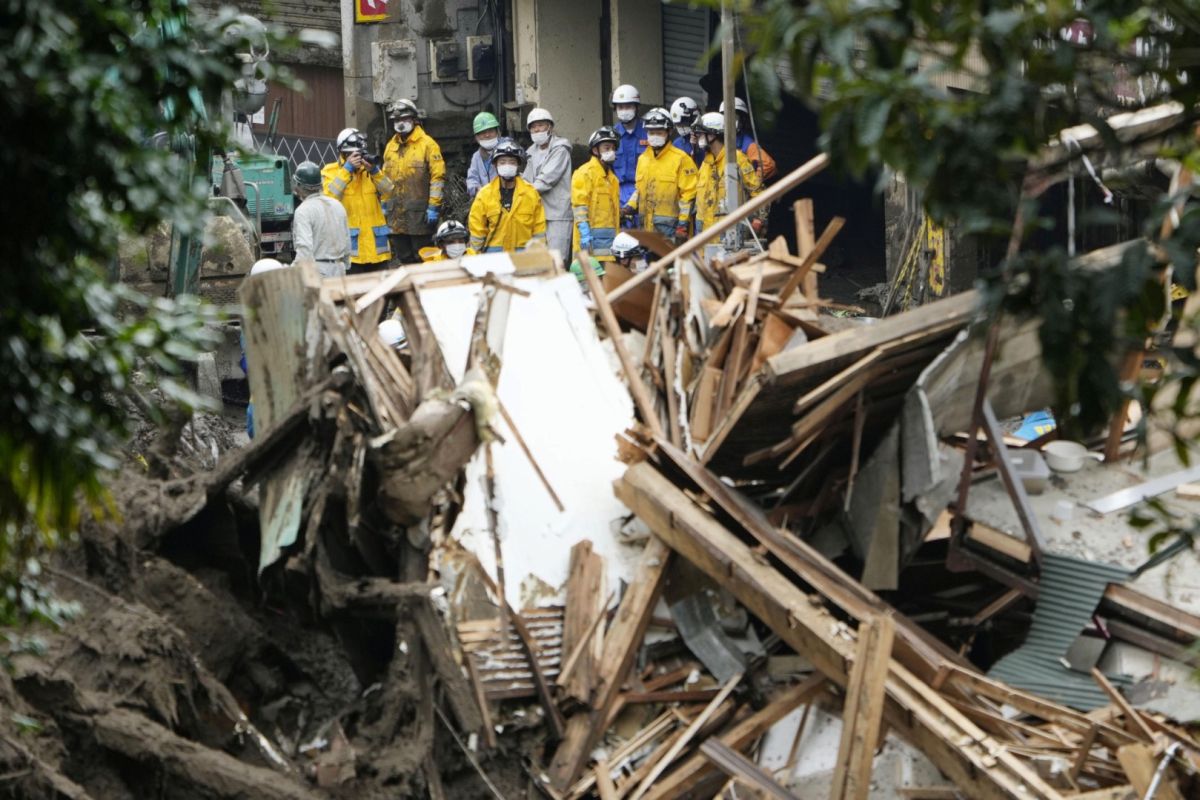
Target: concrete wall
637 47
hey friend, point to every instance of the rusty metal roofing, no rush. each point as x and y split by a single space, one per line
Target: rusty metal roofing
1069 592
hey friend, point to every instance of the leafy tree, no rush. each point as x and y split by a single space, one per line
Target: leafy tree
870 68
83 87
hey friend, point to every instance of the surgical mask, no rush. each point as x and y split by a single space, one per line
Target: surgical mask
403 127
608 156
683 130
656 139
489 144
626 114
456 249
702 142
541 137
507 171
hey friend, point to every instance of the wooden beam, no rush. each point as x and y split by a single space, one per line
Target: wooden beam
1140 762
581 620
641 396
741 735
1133 720
688 733
781 187
621 645
809 259
958 747
863 712
742 769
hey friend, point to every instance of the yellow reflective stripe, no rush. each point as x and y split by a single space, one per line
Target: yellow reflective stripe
337 186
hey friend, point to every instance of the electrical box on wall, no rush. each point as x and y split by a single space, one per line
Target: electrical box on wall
443 61
481 58
395 70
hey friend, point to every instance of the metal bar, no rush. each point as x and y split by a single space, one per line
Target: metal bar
1016 489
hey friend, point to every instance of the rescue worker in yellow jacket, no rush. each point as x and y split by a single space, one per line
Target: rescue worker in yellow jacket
450 242
666 182
507 214
710 184
362 187
413 161
596 197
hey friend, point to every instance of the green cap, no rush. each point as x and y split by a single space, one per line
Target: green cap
485 121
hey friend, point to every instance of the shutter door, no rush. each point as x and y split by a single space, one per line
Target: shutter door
685 40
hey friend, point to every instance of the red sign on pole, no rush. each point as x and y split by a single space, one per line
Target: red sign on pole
370 10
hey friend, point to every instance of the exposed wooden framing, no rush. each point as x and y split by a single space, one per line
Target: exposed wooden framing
737 766
686 736
863 712
637 387
440 650
1085 749
739 736
620 648
669 378
967 755
581 620
1140 762
777 190
998 605
381 290
809 259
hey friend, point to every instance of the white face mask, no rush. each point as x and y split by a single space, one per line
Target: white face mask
626 114
702 142
683 130
507 171
541 137
489 144
403 127
456 249
608 156
656 139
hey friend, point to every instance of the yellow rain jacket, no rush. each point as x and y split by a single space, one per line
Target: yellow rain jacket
418 174
596 201
665 189
362 193
494 229
428 254
710 186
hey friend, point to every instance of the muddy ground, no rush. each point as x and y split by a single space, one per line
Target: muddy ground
185 676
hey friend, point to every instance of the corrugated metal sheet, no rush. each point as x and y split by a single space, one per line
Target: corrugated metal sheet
685 40
1069 591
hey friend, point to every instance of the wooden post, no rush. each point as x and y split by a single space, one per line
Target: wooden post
641 396
862 715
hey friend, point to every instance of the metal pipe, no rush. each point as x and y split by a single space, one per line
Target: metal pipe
733 238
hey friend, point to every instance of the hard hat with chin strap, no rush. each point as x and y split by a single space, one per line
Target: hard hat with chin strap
657 118
392 332
739 105
624 245
484 121
538 115
351 139
684 111
266 265
626 93
450 229
507 147
601 135
712 124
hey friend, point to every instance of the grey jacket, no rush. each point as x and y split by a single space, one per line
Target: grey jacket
549 170
320 233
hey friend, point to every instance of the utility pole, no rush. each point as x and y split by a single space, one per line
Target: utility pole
733 239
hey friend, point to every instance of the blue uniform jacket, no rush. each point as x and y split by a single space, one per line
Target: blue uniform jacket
480 173
632 144
686 146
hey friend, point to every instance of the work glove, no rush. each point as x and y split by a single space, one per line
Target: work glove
680 232
628 212
757 226
585 236
431 215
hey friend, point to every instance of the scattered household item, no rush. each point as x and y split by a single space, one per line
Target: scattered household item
1035 425
1063 510
1135 494
1064 456
1031 468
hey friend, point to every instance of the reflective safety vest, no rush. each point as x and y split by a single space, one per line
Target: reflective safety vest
710 187
362 193
494 229
418 176
666 189
596 200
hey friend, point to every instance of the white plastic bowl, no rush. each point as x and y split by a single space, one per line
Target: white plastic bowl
1068 456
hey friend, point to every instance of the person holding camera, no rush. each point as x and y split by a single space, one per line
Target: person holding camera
358 181
413 161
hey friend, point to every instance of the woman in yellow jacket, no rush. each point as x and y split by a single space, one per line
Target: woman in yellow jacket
665 187
362 188
507 214
413 161
596 197
450 243
710 189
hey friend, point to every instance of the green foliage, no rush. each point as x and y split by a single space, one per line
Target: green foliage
875 71
83 87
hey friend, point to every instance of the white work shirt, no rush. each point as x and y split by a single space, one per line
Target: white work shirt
321 233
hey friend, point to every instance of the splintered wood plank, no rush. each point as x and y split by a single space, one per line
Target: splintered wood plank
799 275
1133 720
704 401
745 771
862 716
585 598
1140 761
621 645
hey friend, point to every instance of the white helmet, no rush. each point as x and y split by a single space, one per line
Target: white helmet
739 105
625 93
684 111
348 134
624 245
266 265
392 332
712 124
538 115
